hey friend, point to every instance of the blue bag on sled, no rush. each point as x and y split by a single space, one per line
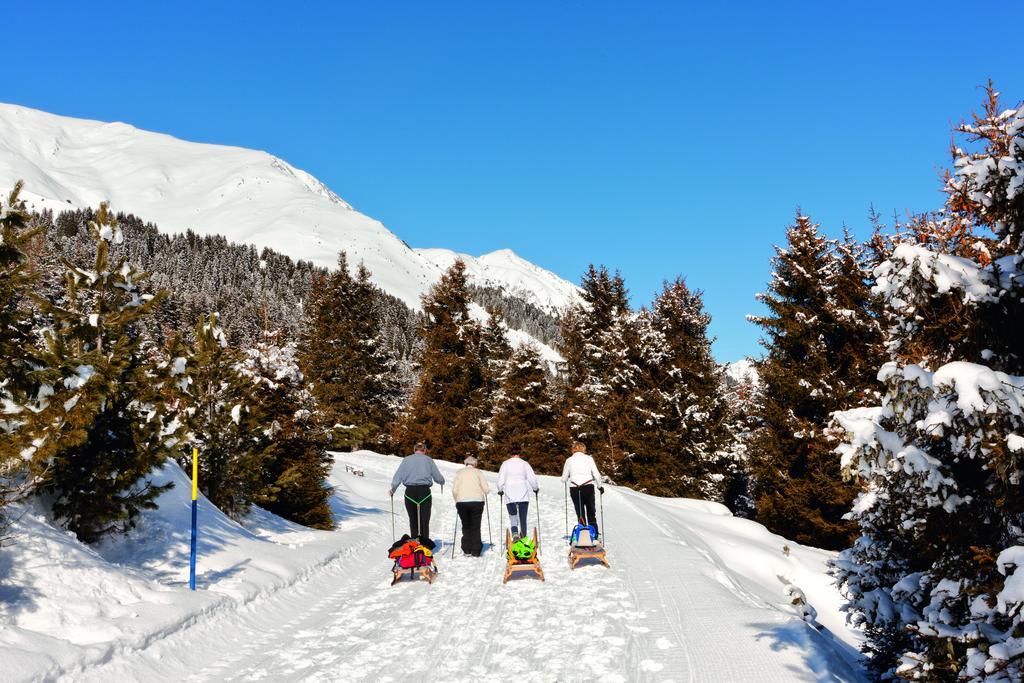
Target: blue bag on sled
583 536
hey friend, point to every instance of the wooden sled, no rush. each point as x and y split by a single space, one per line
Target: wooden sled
512 567
428 573
595 552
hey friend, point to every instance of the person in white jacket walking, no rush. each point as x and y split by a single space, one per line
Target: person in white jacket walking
580 473
515 481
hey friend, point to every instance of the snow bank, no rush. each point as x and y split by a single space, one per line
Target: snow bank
65 605
768 569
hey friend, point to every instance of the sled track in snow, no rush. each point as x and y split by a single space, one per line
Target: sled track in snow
665 610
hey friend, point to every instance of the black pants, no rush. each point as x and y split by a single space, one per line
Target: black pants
470 515
583 502
419 520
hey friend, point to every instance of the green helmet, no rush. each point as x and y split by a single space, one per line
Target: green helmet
524 549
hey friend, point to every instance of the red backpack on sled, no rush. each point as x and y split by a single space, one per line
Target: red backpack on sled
409 553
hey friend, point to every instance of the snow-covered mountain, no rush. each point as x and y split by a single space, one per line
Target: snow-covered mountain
506 270
742 371
248 196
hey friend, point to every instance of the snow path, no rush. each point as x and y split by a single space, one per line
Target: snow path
668 609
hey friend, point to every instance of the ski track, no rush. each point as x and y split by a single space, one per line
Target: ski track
659 618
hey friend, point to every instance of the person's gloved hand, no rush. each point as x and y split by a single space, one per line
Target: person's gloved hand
391 493
601 489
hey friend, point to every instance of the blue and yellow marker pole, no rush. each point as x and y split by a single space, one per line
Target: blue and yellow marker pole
195 504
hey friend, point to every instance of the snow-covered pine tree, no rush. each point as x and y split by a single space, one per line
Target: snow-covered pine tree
741 425
441 411
683 431
351 374
820 339
295 458
524 413
16 344
219 405
602 373
936 577
99 424
251 289
494 353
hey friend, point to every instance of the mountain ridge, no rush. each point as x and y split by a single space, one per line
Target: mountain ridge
248 196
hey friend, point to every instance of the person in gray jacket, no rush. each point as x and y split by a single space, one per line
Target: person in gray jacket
417 472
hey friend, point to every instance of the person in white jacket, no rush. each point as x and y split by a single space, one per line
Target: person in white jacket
515 481
580 473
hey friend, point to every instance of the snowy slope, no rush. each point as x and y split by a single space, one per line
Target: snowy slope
248 196
693 594
506 270
64 606
519 338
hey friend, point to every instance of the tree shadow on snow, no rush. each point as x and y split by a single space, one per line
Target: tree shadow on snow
343 509
14 598
161 543
206 579
827 658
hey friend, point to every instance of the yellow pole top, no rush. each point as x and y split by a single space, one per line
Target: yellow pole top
195 473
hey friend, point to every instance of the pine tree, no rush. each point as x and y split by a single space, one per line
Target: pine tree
15 341
600 345
220 408
295 458
524 414
442 408
933 577
683 432
494 353
741 425
351 374
100 424
820 341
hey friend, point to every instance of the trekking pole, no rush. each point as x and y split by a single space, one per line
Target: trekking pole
392 517
456 534
487 508
604 535
536 501
565 499
501 517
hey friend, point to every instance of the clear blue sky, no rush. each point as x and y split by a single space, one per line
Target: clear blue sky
656 138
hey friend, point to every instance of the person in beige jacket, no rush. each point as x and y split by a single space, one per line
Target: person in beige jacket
470 490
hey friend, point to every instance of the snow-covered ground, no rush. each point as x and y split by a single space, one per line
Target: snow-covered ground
692 594
248 196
